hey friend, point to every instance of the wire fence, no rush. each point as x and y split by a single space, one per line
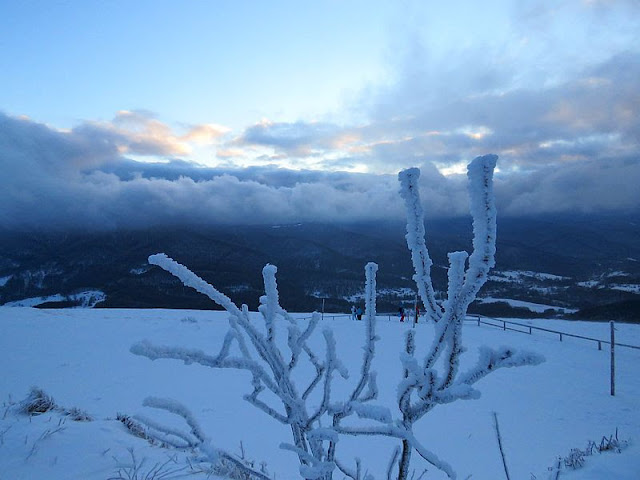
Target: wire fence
409 316
529 329
492 322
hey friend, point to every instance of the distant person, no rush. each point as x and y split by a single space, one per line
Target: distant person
417 313
401 314
353 312
359 313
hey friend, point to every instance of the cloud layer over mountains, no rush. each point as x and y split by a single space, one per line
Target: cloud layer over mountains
83 178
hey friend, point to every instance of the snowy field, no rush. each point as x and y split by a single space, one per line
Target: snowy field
81 357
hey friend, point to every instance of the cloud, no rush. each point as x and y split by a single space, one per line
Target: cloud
606 185
298 139
46 187
593 116
140 133
205 134
80 179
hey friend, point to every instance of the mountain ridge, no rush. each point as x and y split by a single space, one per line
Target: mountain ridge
594 258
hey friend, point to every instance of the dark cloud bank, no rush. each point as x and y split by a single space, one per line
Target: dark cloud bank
77 179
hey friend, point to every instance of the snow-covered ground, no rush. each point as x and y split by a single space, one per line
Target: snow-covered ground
533 307
86 299
630 287
82 359
511 276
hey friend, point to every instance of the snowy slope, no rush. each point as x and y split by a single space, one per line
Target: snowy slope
82 358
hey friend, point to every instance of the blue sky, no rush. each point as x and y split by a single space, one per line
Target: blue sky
105 106
195 62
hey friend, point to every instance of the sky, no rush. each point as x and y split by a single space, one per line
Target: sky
118 114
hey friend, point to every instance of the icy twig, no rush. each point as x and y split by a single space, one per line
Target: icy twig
496 427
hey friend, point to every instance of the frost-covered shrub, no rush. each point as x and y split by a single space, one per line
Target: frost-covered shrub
77 414
254 348
577 457
436 380
37 402
313 414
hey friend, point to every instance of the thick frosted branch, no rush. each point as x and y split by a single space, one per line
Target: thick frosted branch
483 211
372 388
270 307
370 341
332 363
256 402
455 277
323 434
370 270
320 368
189 356
372 412
453 317
411 373
416 241
430 457
490 360
177 408
190 279
297 340
165 434
367 377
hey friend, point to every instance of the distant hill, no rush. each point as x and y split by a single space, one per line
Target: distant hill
573 262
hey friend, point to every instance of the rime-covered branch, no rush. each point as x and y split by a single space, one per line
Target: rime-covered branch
195 439
437 379
179 409
416 241
370 347
490 360
271 368
367 377
190 279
